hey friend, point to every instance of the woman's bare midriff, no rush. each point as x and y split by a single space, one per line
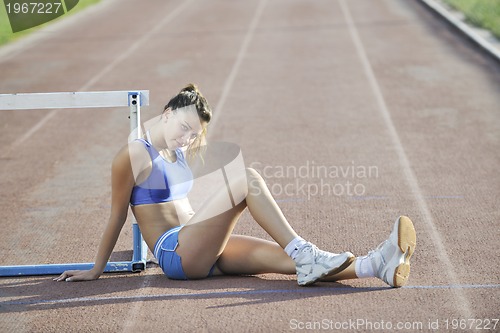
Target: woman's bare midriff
155 219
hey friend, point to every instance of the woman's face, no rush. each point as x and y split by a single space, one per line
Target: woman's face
182 127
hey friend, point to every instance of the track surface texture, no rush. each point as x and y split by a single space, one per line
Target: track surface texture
402 111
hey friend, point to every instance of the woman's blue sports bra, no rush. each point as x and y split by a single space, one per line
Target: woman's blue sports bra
166 182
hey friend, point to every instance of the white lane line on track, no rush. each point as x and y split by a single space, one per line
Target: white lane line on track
228 84
11 50
409 175
30 132
137 43
326 290
103 72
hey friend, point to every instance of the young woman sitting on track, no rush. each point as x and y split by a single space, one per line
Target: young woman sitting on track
191 245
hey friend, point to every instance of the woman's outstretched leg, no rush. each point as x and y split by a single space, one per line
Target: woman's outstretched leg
208 235
249 256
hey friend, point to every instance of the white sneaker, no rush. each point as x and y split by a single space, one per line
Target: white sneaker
391 259
312 264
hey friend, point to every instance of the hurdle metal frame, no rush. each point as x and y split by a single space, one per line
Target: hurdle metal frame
66 100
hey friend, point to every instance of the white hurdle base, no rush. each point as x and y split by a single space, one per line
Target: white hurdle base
65 100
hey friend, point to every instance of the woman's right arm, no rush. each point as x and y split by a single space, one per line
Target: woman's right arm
122 182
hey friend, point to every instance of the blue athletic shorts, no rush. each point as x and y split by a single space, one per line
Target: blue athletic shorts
168 259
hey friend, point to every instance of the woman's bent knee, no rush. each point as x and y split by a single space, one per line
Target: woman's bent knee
255 182
252 174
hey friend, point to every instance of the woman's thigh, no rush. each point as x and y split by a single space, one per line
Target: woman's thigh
202 242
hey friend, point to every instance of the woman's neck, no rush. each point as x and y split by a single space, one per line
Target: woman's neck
156 138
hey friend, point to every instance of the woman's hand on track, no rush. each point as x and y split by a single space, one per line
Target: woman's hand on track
73 276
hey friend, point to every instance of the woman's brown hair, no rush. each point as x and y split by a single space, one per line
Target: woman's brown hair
190 95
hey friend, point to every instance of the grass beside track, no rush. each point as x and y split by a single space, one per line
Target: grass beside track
482 13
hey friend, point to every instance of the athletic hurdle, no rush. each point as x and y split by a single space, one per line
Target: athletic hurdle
67 100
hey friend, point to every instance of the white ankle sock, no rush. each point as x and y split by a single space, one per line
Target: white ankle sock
292 249
364 268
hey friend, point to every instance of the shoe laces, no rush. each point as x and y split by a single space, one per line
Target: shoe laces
313 250
378 249
319 255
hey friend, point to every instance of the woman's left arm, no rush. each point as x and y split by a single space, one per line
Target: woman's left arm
122 182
